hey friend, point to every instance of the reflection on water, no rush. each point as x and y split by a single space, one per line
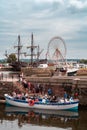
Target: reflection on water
40 117
21 117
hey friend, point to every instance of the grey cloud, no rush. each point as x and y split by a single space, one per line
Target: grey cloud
46 19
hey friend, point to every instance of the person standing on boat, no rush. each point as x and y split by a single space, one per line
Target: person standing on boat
65 96
50 92
14 94
21 77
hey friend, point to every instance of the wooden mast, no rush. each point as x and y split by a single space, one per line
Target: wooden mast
32 49
19 47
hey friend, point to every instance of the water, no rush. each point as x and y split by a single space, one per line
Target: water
24 119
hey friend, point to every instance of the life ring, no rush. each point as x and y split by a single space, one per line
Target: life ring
31 102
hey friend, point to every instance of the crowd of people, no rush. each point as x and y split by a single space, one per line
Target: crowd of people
38 90
34 88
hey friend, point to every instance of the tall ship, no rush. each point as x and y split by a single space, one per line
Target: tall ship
34 55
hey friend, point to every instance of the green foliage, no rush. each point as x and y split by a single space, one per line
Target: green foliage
83 61
11 58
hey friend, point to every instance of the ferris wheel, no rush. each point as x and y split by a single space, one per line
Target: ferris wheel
56 51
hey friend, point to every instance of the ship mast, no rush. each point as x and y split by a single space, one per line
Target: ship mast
32 48
19 47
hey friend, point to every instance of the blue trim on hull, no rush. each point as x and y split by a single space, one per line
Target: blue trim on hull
73 109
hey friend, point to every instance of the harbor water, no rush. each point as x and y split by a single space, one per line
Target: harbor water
16 118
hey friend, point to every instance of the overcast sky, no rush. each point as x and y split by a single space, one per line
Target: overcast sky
46 19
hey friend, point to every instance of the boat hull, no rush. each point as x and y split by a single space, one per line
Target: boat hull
45 106
71 72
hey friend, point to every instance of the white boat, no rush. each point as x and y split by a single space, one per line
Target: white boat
72 71
69 71
47 105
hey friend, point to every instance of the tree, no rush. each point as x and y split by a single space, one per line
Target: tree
12 58
84 61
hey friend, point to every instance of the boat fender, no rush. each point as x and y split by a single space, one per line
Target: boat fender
31 102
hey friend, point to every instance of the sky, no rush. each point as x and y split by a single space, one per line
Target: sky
46 19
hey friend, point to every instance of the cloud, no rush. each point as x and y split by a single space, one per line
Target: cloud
46 19
79 4
49 1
